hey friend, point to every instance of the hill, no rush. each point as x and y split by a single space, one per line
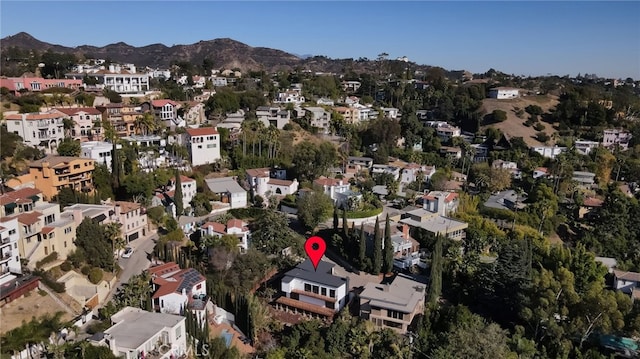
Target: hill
514 126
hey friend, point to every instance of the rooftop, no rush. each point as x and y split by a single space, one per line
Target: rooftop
55 160
202 131
133 327
24 193
322 275
402 294
224 185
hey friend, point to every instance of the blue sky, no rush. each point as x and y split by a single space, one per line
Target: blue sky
519 37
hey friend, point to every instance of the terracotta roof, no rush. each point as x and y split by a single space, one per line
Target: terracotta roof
629 276
258 172
324 181
235 223
163 269
24 193
216 227
34 116
183 178
74 110
174 283
279 182
450 197
56 160
29 218
161 103
47 230
592 202
542 169
126 207
202 131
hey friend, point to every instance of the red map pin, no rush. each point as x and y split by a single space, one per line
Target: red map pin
315 247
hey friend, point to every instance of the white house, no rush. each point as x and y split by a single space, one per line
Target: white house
391 112
293 97
549 152
44 130
189 189
446 132
118 78
9 253
98 151
351 86
585 147
174 288
230 191
410 172
234 227
323 101
273 116
443 203
320 118
267 181
627 282
512 167
332 187
502 93
203 144
380 169
540 172
614 136
318 293
136 333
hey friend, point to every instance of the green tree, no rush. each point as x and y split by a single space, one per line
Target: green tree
435 282
92 240
362 247
177 197
270 232
377 248
335 219
387 263
69 147
499 116
313 209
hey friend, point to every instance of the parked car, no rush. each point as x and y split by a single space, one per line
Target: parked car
127 252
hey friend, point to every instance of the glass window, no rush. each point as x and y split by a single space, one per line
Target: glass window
307 287
332 293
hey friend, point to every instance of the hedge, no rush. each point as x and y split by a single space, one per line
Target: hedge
244 213
364 214
50 282
95 275
48 259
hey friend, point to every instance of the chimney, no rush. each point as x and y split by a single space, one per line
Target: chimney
118 210
441 205
77 216
405 231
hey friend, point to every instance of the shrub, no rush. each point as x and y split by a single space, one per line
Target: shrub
95 275
76 258
364 214
156 214
42 292
538 127
45 278
245 213
499 115
66 266
542 137
86 269
48 259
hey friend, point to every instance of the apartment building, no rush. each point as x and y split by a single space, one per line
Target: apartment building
393 304
44 130
87 123
9 253
320 118
351 115
203 145
122 79
53 173
122 117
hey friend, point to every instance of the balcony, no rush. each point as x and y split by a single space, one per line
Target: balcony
6 256
6 240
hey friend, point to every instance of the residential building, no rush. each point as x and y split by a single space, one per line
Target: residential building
380 169
447 132
194 113
435 224
351 101
234 227
320 118
230 191
443 203
351 115
583 178
627 282
410 173
87 123
189 189
313 292
512 167
508 200
122 79
615 136
351 86
166 111
403 244
451 152
393 304
588 205
294 97
100 152
366 114
337 189
36 84
391 112
203 144
133 220
136 333
266 181
585 147
360 162
219 81
52 173
540 172
323 101
503 93
9 252
273 116
549 152
174 288
122 117
44 130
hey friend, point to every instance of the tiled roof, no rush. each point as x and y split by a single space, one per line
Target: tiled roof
164 269
74 110
216 227
324 181
126 207
628 276
29 218
183 179
202 131
56 160
24 193
34 116
235 223
279 182
592 202
47 230
258 172
184 279
161 103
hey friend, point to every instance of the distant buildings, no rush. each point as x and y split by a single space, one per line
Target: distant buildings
119 78
616 137
16 85
504 93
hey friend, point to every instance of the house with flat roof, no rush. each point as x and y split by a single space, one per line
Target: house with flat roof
508 200
440 202
435 223
394 304
586 179
315 293
137 333
230 191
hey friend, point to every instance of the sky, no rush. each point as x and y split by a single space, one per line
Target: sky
515 37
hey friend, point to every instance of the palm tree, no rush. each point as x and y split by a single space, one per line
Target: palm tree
68 124
114 234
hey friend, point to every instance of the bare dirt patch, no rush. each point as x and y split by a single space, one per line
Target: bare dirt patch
12 314
514 126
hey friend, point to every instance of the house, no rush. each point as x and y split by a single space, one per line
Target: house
410 173
512 167
122 79
273 116
52 173
323 101
451 152
362 162
349 114
610 263
508 200
616 137
16 85
351 86
189 189
481 152
443 203
87 123
313 292
164 110
541 172
43 130
174 288
351 101
229 190
320 118
627 282
187 224
585 147
194 113
136 333
9 252
588 205
335 188
392 304
234 227
549 152
503 93
266 181
133 220
294 97
392 170
403 243
391 112
203 144
100 152
446 132
122 117
585 179
435 224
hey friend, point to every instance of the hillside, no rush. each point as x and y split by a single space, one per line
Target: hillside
514 126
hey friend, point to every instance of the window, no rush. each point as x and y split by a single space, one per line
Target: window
200 146
53 248
65 244
395 314
332 293
46 250
67 230
323 291
75 167
316 289
199 286
307 287
178 332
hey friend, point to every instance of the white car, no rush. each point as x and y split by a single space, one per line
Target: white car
127 252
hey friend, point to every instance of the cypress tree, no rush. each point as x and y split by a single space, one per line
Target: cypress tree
362 250
387 264
345 226
116 168
335 219
435 283
177 197
377 249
